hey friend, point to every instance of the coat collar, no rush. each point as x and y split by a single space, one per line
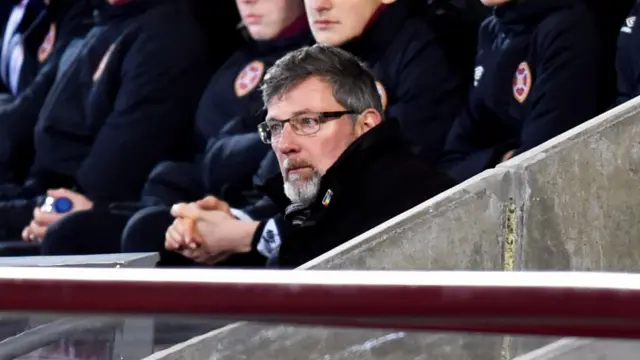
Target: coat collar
371 44
518 15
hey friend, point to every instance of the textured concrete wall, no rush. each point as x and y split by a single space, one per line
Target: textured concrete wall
569 204
578 198
577 202
137 260
585 349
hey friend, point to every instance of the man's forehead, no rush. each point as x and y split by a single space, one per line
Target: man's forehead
311 95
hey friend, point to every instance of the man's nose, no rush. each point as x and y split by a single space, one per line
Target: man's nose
248 2
287 143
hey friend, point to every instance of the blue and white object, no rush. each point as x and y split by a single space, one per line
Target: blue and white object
59 205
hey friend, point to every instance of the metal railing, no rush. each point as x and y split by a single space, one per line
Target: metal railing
564 304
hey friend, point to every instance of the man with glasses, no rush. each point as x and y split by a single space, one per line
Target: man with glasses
344 168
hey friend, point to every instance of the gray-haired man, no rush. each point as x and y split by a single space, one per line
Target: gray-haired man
345 169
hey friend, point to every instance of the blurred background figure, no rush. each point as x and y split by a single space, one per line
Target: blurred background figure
538 72
67 23
25 28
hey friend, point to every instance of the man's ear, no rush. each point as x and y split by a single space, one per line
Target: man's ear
367 120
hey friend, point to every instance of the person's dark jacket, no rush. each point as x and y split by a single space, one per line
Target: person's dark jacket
628 54
126 103
73 19
538 74
421 89
375 179
227 143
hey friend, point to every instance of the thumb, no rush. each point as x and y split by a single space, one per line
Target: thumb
56 193
188 211
213 203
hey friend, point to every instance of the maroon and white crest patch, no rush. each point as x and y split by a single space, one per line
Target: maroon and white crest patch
249 78
522 82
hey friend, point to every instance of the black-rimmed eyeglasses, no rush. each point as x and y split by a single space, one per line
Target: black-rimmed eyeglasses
304 124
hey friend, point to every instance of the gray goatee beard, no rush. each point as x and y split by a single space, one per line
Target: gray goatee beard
299 190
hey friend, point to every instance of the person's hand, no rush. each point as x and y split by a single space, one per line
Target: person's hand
508 155
208 236
37 229
183 230
213 203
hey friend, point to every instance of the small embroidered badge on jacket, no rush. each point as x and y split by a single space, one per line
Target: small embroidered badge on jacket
327 198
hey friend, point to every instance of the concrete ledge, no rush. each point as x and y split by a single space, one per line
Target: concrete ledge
585 349
139 260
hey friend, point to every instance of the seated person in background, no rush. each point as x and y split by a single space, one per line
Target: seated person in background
417 85
537 75
125 104
226 121
628 56
230 110
22 35
344 168
608 19
70 21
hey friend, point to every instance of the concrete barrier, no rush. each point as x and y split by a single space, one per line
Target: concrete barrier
578 197
413 240
585 349
137 260
569 204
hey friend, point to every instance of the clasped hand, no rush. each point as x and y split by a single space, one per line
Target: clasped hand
206 231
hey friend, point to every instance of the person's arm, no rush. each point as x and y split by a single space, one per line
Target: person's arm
473 145
160 83
18 119
429 95
565 90
232 159
265 245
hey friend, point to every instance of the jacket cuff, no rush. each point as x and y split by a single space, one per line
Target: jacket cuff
253 258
